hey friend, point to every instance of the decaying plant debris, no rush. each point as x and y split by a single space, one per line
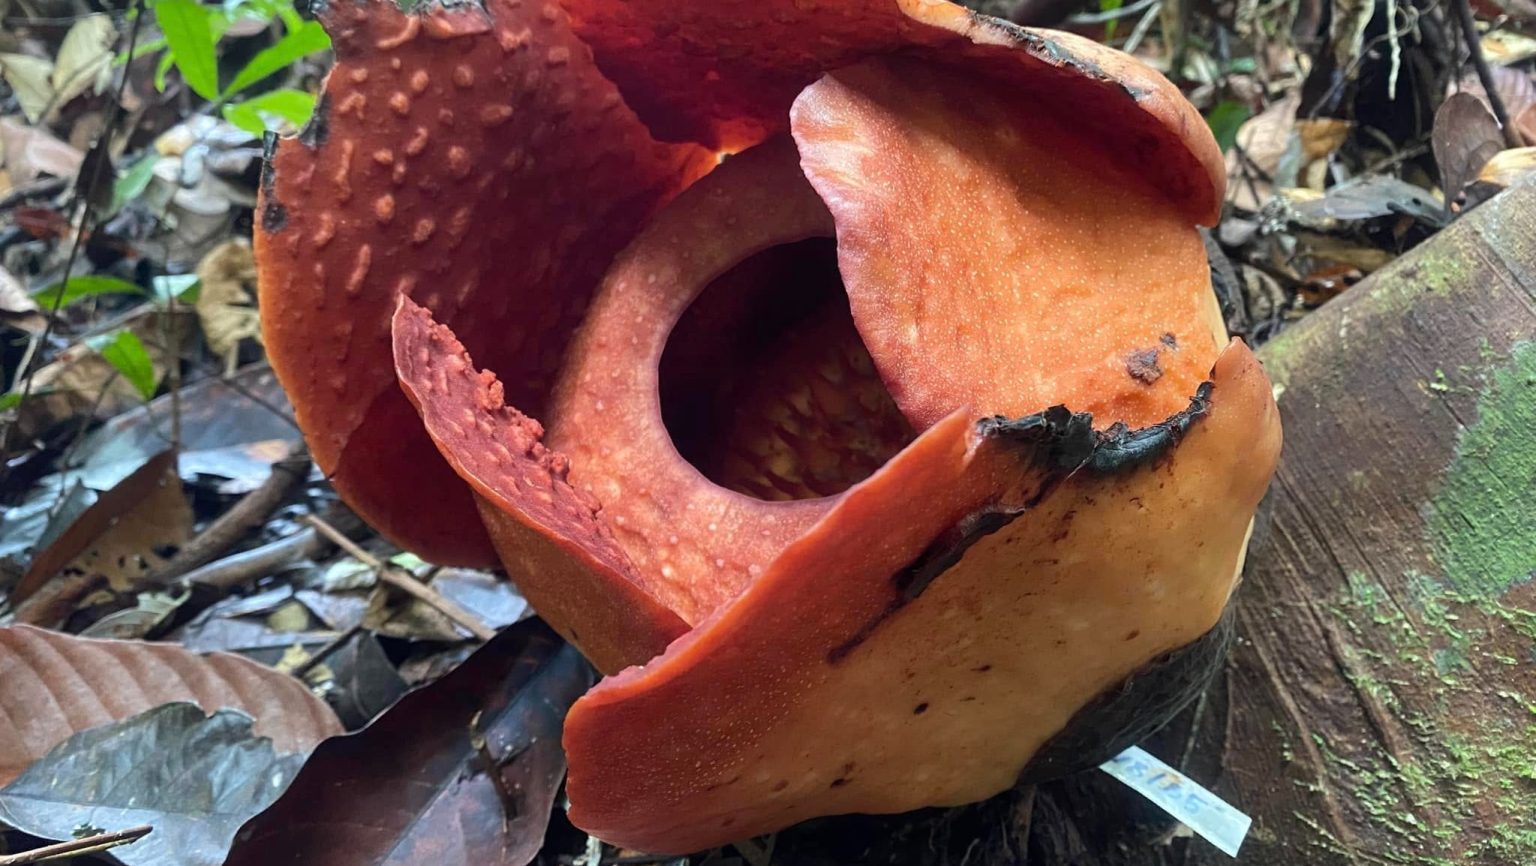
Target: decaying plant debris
157 485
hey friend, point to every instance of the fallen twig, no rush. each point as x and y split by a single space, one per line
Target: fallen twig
247 565
323 652
77 847
55 599
403 580
250 512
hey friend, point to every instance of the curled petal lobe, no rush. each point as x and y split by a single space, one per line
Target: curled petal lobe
580 579
1015 253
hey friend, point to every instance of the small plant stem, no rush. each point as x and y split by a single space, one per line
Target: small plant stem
1484 73
77 847
400 579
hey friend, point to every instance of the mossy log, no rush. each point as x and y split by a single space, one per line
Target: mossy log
1379 706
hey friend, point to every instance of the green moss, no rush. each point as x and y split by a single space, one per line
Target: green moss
1472 773
1482 523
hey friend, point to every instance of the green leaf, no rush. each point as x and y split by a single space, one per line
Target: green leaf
75 288
307 39
132 183
10 400
294 106
190 31
182 287
126 352
1225 118
255 10
161 69
1113 23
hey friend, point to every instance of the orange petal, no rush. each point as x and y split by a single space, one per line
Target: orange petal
551 537
995 257
859 675
724 72
473 159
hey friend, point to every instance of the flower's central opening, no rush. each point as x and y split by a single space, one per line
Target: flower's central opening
767 388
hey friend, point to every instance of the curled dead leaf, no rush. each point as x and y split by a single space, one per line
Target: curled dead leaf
30 151
1508 166
1465 136
112 542
84 61
226 302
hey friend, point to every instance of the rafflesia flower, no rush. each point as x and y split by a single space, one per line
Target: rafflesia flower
889 443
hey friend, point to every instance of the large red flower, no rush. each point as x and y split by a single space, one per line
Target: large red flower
859 525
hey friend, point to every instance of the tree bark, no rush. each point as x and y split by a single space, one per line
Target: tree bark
1379 706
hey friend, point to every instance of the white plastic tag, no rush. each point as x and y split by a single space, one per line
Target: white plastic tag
1198 809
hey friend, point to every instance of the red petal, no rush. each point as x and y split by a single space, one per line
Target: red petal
551 537
724 72
475 160
827 688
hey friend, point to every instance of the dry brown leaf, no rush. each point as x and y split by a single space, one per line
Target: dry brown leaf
1508 166
1318 138
127 550
1254 164
57 685
84 61
420 784
1525 125
1465 136
225 303
1321 136
117 534
13 295
1517 89
1519 10
30 79
30 151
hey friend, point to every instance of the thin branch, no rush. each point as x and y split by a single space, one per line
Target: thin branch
325 651
250 512
77 847
223 575
1111 14
1484 73
402 580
